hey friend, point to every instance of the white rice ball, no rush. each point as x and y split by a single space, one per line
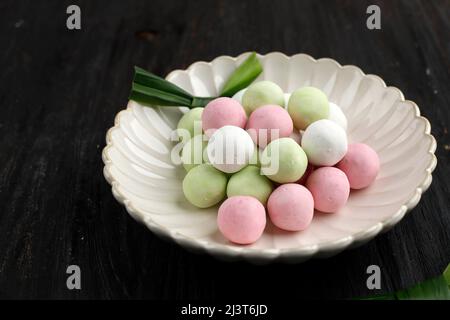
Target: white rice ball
324 142
230 149
337 116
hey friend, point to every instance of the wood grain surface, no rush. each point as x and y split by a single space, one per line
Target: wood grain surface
60 91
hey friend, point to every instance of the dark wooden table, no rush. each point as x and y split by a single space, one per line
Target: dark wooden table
60 91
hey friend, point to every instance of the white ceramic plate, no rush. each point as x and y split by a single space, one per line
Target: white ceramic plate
138 164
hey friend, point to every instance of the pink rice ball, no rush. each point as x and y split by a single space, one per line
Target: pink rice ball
291 207
361 165
264 120
330 189
241 219
222 112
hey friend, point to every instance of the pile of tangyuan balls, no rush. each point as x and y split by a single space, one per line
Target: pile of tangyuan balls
267 151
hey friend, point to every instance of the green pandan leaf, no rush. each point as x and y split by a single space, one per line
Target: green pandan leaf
150 80
149 89
245 74
432 289
447 275
151 96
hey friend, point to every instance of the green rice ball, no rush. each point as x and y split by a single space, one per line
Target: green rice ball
250 182
187 123
261 93
307 105
283 161
204 186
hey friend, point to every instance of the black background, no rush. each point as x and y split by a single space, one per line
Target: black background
60 91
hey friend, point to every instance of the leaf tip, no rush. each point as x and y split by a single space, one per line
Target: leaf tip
447 274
